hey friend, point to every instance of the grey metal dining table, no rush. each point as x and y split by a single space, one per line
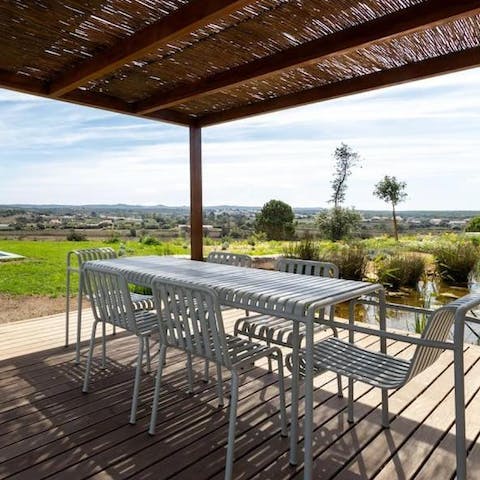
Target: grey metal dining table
295 297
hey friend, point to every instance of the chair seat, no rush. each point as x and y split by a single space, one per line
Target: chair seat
142 302
373 368
241 350
271 329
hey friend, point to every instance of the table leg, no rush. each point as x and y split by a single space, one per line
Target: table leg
308 441
295 393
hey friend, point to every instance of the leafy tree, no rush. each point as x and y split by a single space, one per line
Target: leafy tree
345 159
391 191
276 220
473 225
338 223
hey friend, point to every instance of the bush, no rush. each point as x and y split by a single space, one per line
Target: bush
339 223
148 240
400 270
306 249
74 236
351 260
456 260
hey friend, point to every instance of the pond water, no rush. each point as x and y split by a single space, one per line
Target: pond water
429 294
9 256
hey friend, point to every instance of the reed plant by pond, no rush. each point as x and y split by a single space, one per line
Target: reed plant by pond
351 259
456 261
400 269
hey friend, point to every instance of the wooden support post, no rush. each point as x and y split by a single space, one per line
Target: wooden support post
196 206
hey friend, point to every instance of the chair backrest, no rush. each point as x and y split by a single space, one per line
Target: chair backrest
437 329
227 258
190 319
110 297
307 267
87 254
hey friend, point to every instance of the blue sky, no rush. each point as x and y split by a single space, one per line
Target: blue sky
426 133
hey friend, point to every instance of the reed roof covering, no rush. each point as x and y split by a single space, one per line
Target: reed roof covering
202 62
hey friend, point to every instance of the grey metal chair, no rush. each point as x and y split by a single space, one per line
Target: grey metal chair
387 372
112 304
227 258
75 261
190 320
277 330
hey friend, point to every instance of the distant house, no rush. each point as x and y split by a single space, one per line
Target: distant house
457 224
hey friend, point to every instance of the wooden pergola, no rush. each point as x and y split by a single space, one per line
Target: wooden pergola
198 63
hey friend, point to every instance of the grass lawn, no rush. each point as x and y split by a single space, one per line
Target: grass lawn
42 272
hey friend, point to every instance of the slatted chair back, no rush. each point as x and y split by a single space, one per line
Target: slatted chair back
86 254
437 329
190 319
110 297
227 258
307 267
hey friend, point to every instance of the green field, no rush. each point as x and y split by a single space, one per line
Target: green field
43 272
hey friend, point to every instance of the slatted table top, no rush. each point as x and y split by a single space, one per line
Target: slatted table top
264 291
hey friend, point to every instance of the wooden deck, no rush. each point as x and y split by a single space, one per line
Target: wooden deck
49 429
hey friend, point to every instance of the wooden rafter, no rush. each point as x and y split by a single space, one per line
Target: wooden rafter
415 71
192 16
408 20
25 84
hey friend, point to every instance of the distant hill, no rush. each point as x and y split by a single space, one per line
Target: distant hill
121 208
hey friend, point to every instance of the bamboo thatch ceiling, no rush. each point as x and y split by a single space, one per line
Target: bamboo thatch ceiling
202 62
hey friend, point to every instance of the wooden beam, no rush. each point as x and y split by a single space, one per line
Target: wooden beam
22 83
416 71
408 20
196 202
192 16
26 84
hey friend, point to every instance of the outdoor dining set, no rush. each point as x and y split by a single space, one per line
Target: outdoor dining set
287 317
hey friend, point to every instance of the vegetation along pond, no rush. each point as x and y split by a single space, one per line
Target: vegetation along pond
431 293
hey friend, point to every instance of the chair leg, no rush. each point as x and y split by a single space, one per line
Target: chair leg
104 345
385 416
86 380
206 371
79 320
67 308
350 401
136 385
339 386
189 373
221 402
270 369
281 388
231 427
161 361
147 353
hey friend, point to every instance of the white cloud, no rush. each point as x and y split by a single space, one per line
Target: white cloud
425 133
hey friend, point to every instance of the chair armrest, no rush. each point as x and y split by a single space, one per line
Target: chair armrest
395 306
390 335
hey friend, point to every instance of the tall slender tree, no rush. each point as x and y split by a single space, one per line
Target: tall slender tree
391 191
345 159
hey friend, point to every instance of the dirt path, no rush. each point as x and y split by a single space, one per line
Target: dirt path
21 307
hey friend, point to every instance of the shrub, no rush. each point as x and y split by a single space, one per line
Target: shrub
338 223
400 270
306 249
351 259
148 240
456 260
75 236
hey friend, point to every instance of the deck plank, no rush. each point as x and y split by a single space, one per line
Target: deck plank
50 429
